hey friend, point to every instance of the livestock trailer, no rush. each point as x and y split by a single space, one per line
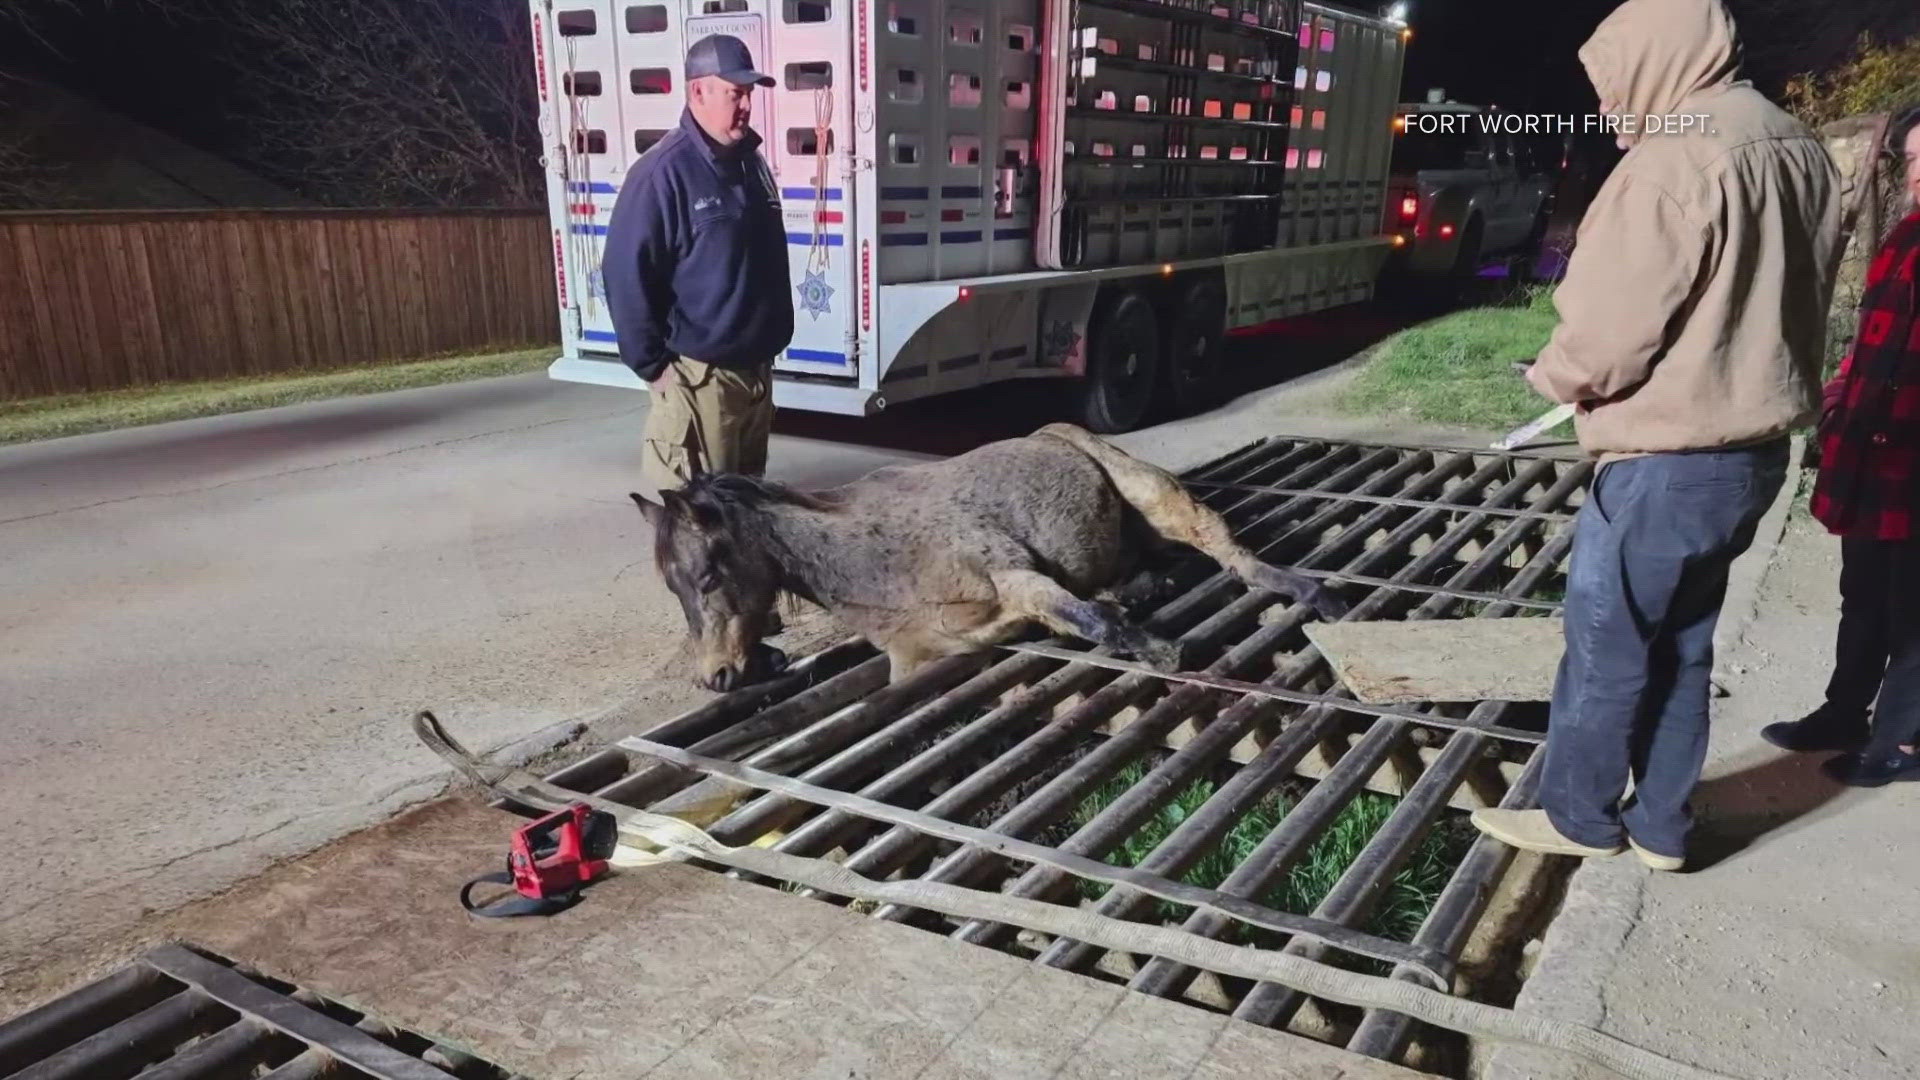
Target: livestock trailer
983 191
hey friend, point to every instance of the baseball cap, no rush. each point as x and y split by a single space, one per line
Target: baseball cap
726 56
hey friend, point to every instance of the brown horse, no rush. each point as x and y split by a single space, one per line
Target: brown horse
940 558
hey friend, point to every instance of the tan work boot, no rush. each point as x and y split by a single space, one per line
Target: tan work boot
1530 830
1655 861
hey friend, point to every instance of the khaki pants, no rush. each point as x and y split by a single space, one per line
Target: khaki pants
707 419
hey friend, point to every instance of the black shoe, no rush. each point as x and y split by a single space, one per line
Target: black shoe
1819 730
1875 769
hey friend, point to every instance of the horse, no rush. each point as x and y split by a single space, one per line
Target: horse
941 558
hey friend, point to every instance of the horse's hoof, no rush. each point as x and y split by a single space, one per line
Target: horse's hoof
1328 605
1166 655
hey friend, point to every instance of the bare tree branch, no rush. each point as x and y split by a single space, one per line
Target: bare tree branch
384 102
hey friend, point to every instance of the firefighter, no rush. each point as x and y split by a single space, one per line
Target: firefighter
697 280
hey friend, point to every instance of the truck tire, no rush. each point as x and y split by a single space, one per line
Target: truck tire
1195 345
1123 364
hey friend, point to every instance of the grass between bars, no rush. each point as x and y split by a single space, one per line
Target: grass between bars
1458 369
1400 911
80 414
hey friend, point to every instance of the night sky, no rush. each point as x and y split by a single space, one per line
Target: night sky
1519 54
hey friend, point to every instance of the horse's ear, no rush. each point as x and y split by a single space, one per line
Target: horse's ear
687 510
655 513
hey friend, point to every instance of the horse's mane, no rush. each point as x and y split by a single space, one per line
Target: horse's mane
728 497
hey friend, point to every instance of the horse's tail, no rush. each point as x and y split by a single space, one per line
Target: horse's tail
1177 516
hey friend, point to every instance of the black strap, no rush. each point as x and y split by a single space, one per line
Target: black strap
515 905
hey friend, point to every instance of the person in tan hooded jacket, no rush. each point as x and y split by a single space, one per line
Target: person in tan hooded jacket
1691 335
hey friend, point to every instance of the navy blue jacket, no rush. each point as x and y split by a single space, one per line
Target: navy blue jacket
696 257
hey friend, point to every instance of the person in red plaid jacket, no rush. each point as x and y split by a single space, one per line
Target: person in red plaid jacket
1868 494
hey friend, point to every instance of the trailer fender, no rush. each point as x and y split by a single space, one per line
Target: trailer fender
1064 314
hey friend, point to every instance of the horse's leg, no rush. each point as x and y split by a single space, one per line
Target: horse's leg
1029 595
1174 514
904 658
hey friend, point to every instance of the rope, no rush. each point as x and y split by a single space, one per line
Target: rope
819 255
682 838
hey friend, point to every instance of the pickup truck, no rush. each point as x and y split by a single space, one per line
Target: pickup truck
1459 195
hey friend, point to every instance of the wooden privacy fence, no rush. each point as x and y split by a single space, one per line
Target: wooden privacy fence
99 301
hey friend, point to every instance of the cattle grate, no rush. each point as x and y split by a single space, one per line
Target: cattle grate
180 1014
1063 756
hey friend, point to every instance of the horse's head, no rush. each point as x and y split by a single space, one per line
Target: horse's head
726 583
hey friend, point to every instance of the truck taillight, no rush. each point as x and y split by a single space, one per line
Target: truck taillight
1409 208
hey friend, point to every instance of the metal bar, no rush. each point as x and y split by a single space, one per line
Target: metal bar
1229 907
883 855
832 732
770 811
310 1065
831 829
1060 793
1330 796
1118 819
238 993
886 854
824 832
1354 896
1282 847
651 785
1447 927
1429 590
237 1051
65 1021
1249 689
1194 836
1384 500
128 1046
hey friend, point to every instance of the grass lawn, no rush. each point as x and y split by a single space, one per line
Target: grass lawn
78 414
1397 916
1458 369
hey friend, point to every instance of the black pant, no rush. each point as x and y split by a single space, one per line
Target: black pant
1878 653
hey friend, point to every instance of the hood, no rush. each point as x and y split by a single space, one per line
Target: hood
1649 56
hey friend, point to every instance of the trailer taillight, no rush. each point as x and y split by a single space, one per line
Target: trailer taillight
1409 208
1446 232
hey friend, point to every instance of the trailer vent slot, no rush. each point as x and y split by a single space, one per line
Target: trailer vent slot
806 140
963 90
583 83
813 75
647 19
809 11
652 80
577 23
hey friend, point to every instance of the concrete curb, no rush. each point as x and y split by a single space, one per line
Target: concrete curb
1604 897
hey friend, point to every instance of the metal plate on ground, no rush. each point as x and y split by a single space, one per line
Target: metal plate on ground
1400 663
177 1014
1201 781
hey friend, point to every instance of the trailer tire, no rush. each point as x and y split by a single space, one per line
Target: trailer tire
1195 345
1123 364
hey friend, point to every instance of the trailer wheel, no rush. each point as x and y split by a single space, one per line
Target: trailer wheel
1196 344
1123 364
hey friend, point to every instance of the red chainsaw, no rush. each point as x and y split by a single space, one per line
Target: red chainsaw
551 861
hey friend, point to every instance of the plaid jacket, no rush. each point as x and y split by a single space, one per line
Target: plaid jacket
1869 485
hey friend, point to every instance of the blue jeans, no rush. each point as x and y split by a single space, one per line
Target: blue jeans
1651 551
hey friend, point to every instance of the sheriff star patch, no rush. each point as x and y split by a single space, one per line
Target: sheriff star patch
816 296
